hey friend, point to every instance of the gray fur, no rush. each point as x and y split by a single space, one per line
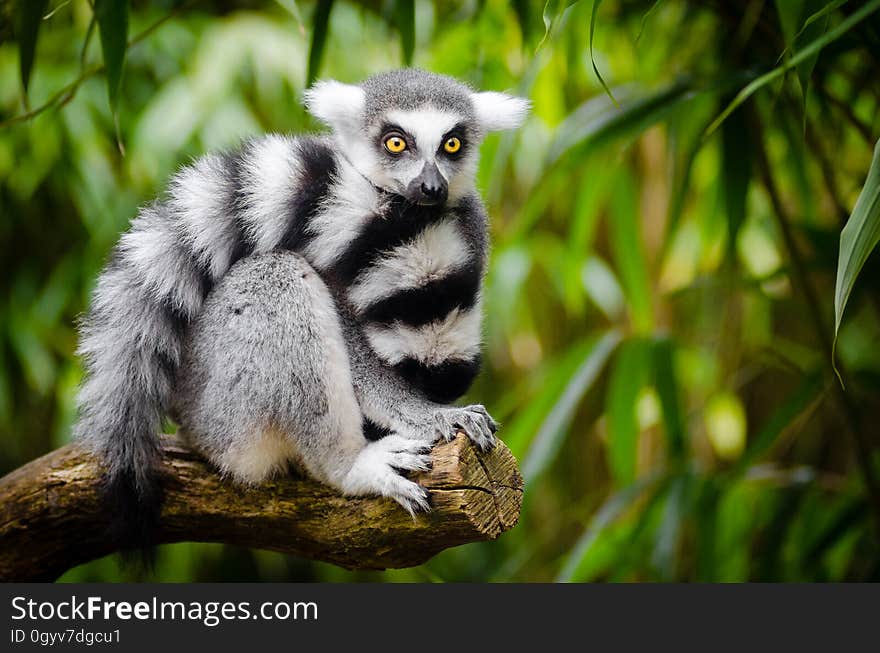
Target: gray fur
411 89
269 358
263 360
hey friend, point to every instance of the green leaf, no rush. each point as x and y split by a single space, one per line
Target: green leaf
523 9
767 563
629 375
664 557
685 129
822 13
112 17
809 32
783 417
802 55
30 15
858 238
405 16
320 26
596 4
798 31
645 18
852 514
601 286
549 437
613 508
542 391
789 12
552 15
547 17
629 257
293 9
669 391
707 529
597 122
736 173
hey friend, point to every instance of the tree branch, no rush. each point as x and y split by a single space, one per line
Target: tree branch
52 517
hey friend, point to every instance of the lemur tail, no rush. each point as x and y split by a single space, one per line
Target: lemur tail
131 343
129 350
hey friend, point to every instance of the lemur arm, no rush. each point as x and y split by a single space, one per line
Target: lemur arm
391 403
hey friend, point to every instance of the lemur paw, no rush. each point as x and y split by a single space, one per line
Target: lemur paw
378 468
474 420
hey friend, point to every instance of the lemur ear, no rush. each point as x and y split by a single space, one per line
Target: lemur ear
499 110
337 105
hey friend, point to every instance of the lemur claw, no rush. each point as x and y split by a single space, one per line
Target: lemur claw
379 470
474 421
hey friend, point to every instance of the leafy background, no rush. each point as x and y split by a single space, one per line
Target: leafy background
667 276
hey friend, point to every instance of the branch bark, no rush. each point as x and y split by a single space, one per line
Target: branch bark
52 517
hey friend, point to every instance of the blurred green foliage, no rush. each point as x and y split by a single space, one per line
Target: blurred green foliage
660 302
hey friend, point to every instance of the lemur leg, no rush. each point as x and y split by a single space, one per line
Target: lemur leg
266 381
390 402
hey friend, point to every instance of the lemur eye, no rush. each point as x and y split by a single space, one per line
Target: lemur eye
395 143
452 145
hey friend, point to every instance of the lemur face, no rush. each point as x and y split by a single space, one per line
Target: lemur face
413 133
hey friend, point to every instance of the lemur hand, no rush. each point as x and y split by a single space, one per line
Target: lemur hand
379 468
473 420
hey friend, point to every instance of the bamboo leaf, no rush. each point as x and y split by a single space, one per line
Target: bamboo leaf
523 16
645 18
30 15
808 33
548 384
736 173
629 257
797 31
783 417
802 55
822 13
293 9
858 238
767 556
547 18
789 12
628 377
549 437
596 4
320 27
707 527
112 17
553 12
851 514
405 16
686 128
613 508
668 389
664 556
787 9
598 122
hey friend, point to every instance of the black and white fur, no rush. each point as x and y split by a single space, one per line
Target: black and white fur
294 300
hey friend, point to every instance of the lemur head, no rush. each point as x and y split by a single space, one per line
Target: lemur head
414 133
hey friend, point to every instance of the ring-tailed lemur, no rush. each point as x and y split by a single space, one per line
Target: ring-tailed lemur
342 275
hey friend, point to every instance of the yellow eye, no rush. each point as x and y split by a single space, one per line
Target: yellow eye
452 145
395 144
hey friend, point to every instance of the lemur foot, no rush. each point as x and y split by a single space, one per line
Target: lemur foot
474 420
377 470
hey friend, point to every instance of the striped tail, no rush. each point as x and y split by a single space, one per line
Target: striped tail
218 210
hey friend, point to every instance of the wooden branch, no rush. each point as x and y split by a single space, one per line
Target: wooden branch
52 517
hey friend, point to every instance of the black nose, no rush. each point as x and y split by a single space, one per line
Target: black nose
431 191
429 188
